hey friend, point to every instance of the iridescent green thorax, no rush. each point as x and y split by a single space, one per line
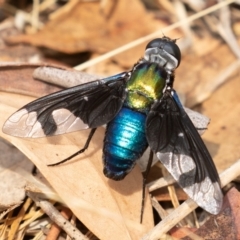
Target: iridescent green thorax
145 85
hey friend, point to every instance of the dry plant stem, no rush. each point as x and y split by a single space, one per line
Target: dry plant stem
35 216
171 190
225 30
157 206
174 198
152 35
35 15
10 208
188 206
46 4
63 78
55 229
216 82
171 220
196 5
162 182
56 217
3 232
15 225
20 234
73 222
40 234
181 13
196 222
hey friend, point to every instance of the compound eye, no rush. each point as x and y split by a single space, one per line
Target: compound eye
167 45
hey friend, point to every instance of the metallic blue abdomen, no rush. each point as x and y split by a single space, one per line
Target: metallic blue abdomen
125 142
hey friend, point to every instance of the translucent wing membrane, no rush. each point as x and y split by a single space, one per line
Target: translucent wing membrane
85 106
176 142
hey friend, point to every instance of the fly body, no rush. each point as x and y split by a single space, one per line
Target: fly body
141 109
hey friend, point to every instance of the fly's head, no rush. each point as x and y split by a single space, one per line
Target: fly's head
165 52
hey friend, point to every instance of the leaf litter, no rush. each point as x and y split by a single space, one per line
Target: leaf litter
205 78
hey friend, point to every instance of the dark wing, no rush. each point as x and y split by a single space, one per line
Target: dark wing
84 106
177 144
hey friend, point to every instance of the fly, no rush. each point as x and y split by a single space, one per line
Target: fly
141 109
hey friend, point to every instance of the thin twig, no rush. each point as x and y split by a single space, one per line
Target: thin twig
152 35
216 82
61 77
15 225
35 15
160 210
225 30
188 206
55 229
162 182
56 217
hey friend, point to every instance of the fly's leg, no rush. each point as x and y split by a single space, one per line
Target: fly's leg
200 129
145 174
78 152
34 170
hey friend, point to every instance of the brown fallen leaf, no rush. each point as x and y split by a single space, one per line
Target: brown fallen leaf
84 27
20 53
196 77
226 224
108 208
222 137
18 78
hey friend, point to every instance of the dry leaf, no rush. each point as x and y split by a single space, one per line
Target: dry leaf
84 27
226 224
18 78
197 74
20 53
108 208
12 184
222 137
8 210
